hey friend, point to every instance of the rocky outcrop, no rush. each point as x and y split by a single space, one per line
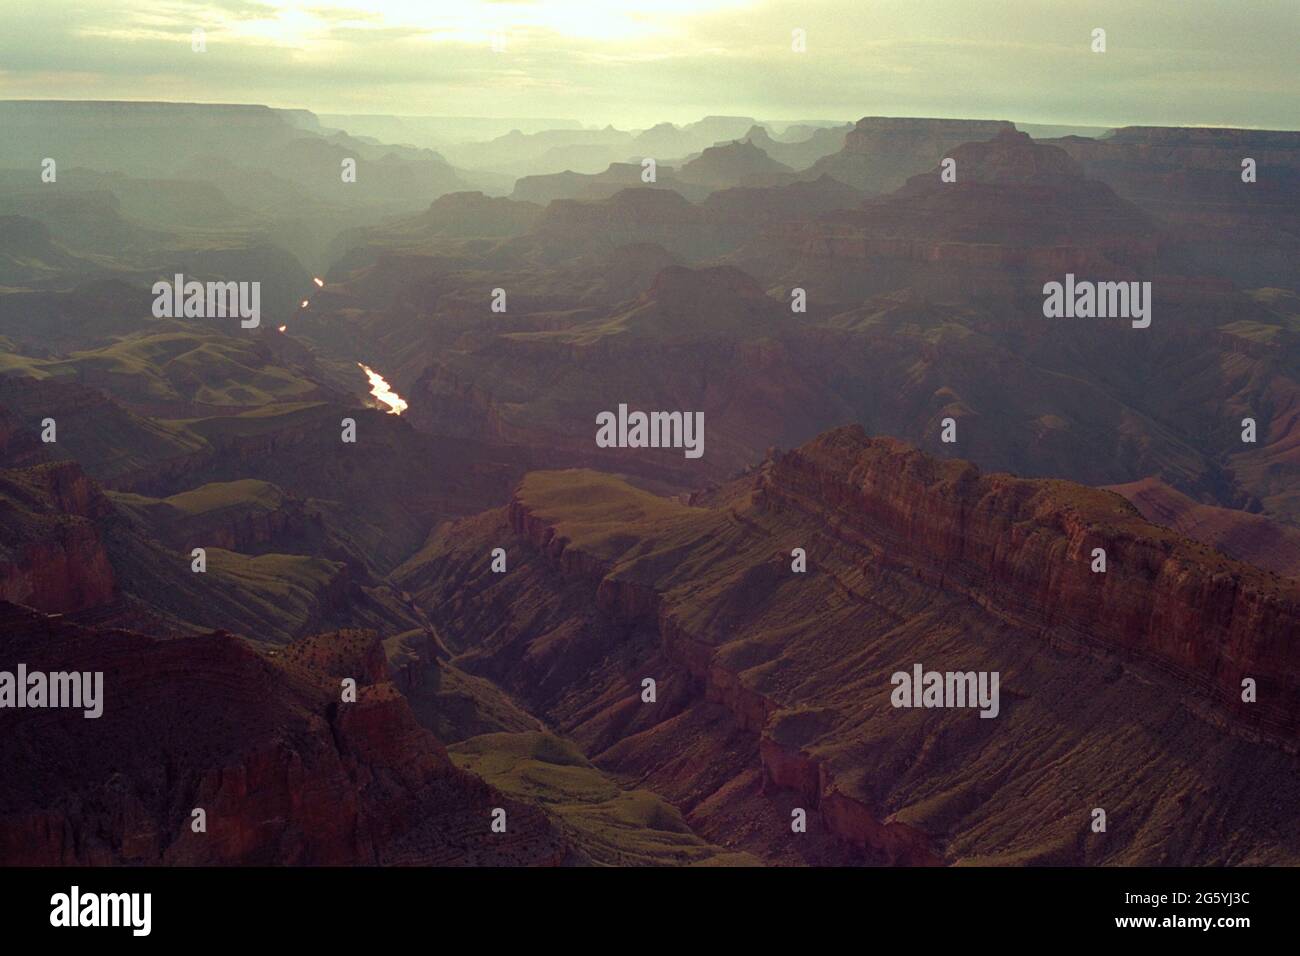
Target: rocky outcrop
1248 537
285 771
19 446
1192 180
630 602
248 516
118 448
454 215
52 555
637 214
1024 549
739 163
881 152
897 531
800 153
474 214
250 532
762 208
1016 213
548 187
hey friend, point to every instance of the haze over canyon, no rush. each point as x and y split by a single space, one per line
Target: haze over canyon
807 488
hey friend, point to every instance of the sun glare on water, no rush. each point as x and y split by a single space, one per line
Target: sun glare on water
383 391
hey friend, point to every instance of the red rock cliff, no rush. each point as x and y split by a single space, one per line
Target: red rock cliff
1023 549
51 554
286 772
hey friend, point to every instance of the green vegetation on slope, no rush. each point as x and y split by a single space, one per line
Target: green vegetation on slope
613 826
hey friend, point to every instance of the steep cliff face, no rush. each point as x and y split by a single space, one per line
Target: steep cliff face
19 446
1008 210
454 215
285 770
248 516
546 188
115 446
395 486
636 214
1252 538
774 684
1192 179
52 555
739 163
542 387
123 560
691 661
800 153
1044 396
880 152
759 208
1025 549
253 532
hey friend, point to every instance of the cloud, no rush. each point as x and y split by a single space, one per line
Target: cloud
635 62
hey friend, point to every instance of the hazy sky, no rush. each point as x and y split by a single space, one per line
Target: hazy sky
637 62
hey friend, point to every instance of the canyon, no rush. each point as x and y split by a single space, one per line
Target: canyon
909 559
283 775
650 655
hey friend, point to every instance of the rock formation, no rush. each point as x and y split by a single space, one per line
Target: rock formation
777 684
285 772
